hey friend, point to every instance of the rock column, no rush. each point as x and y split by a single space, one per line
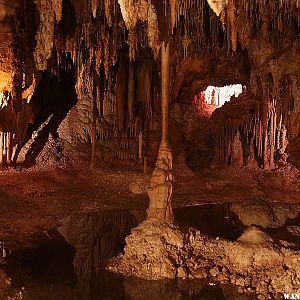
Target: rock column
161 183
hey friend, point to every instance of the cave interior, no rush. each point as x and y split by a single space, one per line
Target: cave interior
150 124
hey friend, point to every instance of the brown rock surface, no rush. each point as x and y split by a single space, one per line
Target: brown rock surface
157 250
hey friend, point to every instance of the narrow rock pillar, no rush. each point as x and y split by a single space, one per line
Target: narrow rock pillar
161 183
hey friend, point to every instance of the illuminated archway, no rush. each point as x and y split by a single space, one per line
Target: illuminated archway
214 97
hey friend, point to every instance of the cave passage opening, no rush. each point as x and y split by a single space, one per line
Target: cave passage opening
213 97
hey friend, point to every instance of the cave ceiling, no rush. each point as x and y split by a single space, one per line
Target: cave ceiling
210 41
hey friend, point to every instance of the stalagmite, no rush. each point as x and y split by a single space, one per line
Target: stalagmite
161 186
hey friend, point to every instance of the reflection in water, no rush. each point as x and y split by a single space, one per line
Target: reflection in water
214 220
96 237
47 272
138 289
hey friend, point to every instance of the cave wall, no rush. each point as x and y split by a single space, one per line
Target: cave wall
112 48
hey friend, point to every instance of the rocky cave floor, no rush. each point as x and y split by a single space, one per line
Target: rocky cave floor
36 200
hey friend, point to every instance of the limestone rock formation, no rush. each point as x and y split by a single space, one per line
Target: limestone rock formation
259 213
217 6
161 187
49 13
254 236
159 250
84 78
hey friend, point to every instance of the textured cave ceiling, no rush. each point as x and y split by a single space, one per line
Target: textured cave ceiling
111 48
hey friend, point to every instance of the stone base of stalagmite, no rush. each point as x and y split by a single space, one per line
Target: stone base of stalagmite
157 250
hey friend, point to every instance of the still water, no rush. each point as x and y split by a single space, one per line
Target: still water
68 263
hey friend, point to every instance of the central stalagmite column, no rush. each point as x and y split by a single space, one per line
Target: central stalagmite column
165 78
161 182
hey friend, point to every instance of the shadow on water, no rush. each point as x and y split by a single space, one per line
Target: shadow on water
214 220
218 220
68 263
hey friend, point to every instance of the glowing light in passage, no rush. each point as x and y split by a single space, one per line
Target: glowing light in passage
218 96
214 97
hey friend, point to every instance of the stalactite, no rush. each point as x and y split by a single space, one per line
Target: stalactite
131 91
94 8
232 14
174 12
144 85
153 31
197 32
57 8
144 11
106 57
217 6
108 12
132 44
122 75
186 41
45 34
263 132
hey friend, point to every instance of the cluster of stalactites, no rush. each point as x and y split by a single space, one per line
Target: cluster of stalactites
141 10
102 80
108 7
250 138
97 42
135 12
230 6
281 14
196 28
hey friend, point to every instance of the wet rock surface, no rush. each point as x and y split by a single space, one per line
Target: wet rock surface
264 214
77 272
255 263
